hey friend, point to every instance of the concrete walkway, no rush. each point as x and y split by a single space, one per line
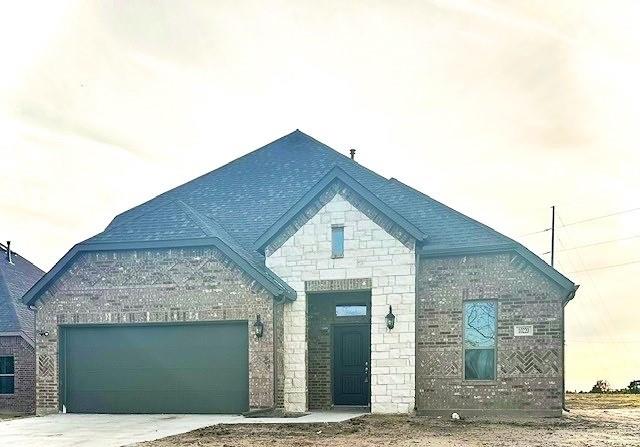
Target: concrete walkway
114 430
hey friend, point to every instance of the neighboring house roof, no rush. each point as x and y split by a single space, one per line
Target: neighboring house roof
16 278
245 202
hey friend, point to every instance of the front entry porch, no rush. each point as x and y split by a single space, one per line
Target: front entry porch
339 350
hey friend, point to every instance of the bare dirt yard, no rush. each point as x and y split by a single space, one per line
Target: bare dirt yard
602 401
593 421
9 416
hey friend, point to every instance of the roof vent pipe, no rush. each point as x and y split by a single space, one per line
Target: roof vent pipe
9 252
353 153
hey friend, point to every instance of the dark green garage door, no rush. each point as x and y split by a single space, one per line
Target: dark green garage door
189 368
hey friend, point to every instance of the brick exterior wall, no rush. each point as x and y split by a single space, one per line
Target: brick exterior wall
155 286
23 400
529 369
370 251
278 349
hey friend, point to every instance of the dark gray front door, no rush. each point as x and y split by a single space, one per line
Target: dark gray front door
188 368
351 353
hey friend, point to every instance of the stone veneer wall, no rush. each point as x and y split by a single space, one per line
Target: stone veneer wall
154 286
370 252
529 369
23 400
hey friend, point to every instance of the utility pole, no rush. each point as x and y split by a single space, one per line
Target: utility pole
553 232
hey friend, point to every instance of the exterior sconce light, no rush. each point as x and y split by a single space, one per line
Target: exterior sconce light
258 327
44 334
390 319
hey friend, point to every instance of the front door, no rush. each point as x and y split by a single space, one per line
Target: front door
351 358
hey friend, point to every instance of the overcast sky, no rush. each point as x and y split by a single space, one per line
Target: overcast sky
498 108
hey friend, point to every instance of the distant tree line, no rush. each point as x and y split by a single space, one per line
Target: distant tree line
602 387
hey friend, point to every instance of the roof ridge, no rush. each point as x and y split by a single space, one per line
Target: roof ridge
113 222
326 146
230 241
198 219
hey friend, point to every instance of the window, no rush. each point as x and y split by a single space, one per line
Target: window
480 340
348 310
6 375
337 241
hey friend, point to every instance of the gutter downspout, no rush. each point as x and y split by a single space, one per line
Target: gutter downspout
415 323
569 297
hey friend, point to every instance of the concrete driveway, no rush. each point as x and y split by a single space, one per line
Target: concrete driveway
113 430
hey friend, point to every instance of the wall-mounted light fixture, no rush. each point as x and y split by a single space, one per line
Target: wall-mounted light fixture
44 334
390 319
258 327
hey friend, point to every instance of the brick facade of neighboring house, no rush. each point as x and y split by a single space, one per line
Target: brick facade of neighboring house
292 232
529 368
17 342
22 400
155 286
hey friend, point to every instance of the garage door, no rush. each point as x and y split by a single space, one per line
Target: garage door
189 368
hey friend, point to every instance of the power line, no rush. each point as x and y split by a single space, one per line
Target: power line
607 266
603 318
583 221
601 217
536 232
605 309
593 244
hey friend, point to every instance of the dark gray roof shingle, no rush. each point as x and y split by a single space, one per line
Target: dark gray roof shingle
249 194
15 280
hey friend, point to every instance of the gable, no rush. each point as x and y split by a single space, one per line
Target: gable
362 233
194 268
334 183
268 280
523 256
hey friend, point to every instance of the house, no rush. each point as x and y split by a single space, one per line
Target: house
17 338
295 278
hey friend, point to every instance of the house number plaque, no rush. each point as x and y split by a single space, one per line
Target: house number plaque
523 330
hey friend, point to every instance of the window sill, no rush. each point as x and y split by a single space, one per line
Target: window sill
337 256
480 382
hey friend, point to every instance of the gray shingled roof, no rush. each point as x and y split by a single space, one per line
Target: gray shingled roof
238 202
249 194
15 280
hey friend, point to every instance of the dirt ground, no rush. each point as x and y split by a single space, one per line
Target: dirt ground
9 416
602 401
588 427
